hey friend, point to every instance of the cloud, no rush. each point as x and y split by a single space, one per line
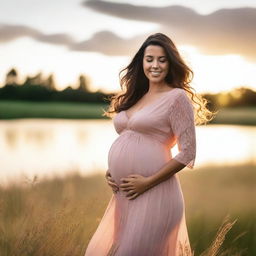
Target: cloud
108 43
104 42
140 13
12 32
225 31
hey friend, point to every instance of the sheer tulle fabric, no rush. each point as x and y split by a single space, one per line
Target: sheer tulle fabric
153 224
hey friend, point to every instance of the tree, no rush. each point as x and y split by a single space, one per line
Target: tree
83 86
34 80
11 77
49 83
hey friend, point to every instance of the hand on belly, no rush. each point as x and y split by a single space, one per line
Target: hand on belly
134 185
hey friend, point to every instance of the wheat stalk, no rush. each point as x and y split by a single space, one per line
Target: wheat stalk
214 249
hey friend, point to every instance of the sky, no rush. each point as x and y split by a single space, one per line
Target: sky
99 38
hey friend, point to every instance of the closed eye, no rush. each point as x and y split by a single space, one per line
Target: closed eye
161 59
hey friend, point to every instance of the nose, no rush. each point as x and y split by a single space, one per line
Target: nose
155 64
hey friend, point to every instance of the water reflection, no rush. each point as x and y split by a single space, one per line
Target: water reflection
11 138
50 147
222 144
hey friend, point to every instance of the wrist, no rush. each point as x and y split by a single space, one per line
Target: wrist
151 181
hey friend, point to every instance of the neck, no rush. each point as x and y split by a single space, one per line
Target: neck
158 87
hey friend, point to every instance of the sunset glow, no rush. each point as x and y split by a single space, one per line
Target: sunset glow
87 38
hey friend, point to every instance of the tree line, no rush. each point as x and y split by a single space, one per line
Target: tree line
38 89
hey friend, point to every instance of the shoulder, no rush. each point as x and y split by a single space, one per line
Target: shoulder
181 100
181 92
180 95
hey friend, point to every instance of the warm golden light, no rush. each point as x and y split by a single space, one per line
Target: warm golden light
215 73
212 73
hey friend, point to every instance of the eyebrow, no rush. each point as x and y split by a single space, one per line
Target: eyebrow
159 56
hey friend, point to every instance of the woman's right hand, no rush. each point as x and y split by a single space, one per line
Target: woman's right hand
111 182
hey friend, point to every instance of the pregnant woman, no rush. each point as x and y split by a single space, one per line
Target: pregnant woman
155 111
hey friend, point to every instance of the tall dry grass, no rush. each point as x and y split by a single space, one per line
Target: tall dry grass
58 217
52 217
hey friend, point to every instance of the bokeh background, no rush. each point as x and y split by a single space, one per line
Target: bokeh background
59 63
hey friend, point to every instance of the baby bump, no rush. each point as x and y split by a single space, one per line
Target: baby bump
133 153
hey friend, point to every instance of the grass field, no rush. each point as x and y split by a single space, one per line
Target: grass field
58 217
22 109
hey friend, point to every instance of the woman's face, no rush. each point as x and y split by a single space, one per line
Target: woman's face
155 63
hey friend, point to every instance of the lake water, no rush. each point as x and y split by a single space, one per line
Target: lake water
48 147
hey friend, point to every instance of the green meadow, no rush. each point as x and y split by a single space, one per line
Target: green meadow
67 110
57 217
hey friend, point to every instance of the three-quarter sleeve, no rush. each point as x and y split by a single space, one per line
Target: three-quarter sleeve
182 123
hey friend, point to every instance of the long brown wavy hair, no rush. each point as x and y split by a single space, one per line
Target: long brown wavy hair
135 84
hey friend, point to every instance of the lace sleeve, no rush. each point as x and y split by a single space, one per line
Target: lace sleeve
183 127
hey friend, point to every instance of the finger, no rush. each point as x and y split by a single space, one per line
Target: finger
108 173
126 189
130 181
116 187
111 180
127 185
125 180
112 184
108 176
130 193
133 175
133 196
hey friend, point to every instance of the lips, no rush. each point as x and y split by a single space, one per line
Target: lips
155 73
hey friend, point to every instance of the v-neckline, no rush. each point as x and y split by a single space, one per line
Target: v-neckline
148 105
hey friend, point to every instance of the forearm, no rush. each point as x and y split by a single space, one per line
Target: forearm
167 171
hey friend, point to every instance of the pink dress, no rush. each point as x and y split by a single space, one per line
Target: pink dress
153 224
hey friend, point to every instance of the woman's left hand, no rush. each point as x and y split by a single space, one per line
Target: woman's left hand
135 185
